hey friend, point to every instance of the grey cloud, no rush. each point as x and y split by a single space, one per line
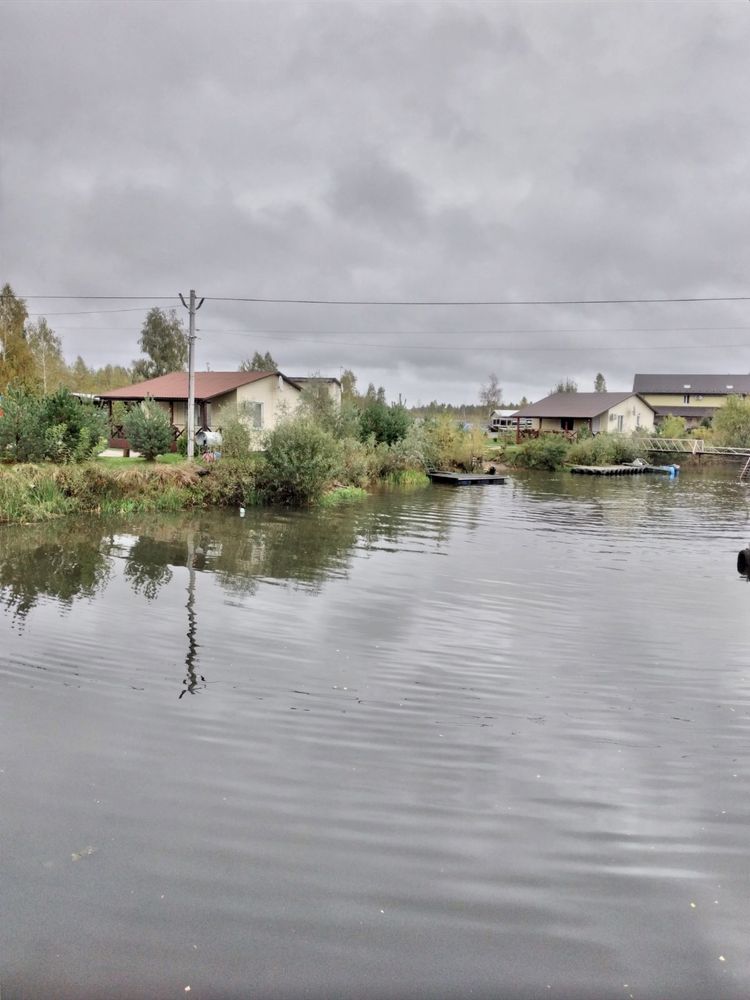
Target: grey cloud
370 192
393 151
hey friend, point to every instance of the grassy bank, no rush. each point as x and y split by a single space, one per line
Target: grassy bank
35 493
304 462
41 492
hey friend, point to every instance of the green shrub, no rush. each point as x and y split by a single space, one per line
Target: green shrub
359 462
548 451
235 438
229 483
605 449
407 479
22 431
672 427
384 423
58 427
148 430
300 460
342 494
444 444
731 423
75 430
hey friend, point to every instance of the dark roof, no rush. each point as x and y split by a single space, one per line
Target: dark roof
313 378
698 384
685 411
175 385
575 404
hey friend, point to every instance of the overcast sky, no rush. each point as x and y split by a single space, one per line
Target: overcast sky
386 152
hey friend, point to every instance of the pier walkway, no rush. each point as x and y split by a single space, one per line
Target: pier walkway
691 446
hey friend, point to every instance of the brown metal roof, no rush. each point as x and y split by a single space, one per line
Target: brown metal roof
313 378
175 385
580 405
693 384
685 411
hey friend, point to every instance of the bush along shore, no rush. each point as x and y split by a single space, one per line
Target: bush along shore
49 468
321 455
302 465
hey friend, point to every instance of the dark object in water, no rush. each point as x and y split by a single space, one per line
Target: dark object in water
464 478
743 562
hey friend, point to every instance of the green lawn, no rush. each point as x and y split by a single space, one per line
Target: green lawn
171 458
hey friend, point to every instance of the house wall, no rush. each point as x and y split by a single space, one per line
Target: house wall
678 399
636 415
278 398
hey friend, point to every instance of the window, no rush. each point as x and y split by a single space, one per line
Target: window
686 398
620 420
566 423
254 413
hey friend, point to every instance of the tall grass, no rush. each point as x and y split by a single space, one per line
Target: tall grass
605 449
546 452
30 493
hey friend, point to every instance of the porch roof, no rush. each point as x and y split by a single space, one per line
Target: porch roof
174 387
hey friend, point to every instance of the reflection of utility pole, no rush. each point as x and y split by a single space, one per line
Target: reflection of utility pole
190 429
191 681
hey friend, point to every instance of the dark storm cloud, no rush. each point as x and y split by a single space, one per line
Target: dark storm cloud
395 152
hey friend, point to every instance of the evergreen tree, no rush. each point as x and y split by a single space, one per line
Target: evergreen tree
148 430
600 384
80 376
259 363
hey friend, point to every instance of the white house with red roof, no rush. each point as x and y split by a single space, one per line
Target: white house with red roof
261 398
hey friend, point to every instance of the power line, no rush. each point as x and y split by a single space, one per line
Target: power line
487 302
98 298
422 333
404 302
475 333
93 312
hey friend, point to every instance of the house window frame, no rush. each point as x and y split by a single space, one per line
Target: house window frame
253 411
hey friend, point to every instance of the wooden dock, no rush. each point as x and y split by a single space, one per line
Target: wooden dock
465 478
622 470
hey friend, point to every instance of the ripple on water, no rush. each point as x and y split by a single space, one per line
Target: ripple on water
433 742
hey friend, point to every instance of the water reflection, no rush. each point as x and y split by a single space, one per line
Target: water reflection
74 559
443 742
65 561
190 684
711 503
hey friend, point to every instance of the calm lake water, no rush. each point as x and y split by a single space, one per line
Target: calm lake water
486 742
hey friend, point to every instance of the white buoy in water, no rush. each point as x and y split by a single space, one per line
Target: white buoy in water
242 511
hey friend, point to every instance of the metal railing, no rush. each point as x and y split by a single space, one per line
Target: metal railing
691 446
